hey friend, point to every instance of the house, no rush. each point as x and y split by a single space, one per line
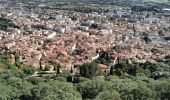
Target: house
104 26
89 23
103 32
52 35
84 28
60 29
95 57
152 20
132 20
57 17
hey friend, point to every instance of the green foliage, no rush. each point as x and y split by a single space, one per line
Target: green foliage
167 57
108 95
111 70
146 38
36 89
128 82
13 69
132 69
111 78
89 70
143 93
83 79
90 89
55 89
36 80
60 78
20 87
128 89
4 23
47 68
38 27
101 61
14 88
65 73
74 18
161 87
5 91
28 69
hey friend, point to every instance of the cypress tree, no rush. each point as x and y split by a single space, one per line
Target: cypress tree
111 70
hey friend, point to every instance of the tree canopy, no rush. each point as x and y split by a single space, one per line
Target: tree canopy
133 81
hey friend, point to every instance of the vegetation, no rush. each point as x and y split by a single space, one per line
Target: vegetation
4 23
89 70
127 82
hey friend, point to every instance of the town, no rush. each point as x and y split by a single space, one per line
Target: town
83 46
73 38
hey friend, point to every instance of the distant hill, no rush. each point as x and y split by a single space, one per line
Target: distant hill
100 2
157 1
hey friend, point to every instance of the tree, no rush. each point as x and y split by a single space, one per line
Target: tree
60 78
16 54
58 69
28 69
36 80
121 68
4 57
167 57
91 88
47 68
143 93
101 61
131 89
147 40
111 70
119 72
65 73
161 33
71 70
134 30
5 91
40 63
132 69
19 88
89 70
55 90
108 95
161 87
74 18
